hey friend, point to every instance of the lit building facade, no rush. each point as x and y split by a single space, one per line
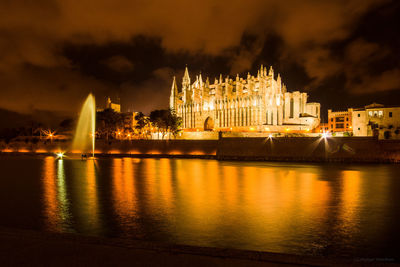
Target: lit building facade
340 121
377 120
257 103
114 106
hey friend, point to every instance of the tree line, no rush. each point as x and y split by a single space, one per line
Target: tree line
162 123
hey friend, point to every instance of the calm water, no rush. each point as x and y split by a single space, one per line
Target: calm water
336 210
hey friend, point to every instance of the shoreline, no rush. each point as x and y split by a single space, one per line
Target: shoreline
219 158
21 247
282 149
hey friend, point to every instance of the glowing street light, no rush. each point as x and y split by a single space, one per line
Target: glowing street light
49 134
60 155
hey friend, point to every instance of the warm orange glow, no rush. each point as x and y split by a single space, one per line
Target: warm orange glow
175 152
197 152
123 189
252 129
40 151
23 150
91 194
114 151
352 184
7 150
50 193
154 152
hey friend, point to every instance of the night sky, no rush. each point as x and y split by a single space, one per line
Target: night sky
54 52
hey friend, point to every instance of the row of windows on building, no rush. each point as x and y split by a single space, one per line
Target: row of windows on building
339 119
376 113
340 125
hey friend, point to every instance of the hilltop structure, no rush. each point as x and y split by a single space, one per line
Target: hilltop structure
258 103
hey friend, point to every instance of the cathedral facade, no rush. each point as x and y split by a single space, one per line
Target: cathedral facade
256 103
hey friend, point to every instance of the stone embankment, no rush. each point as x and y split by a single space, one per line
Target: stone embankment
308 149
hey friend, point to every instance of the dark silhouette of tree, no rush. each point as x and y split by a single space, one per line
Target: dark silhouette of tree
108 122
142 122
166 121
175 123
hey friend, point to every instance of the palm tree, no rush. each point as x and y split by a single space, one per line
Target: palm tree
141 122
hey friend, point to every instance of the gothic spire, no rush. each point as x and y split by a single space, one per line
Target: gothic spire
271 72
200 80
174 95
174 88
186 73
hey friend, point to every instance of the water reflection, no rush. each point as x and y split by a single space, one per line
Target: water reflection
349 208
124 192
290 208
56 200
50 194
86 210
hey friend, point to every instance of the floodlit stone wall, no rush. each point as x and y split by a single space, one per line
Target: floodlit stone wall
311 149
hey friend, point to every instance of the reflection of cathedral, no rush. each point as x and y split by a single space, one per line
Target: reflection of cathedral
255 103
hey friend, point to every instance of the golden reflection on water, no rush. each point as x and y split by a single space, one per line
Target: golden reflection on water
62 192
50 193
56 201
349 211
204 202
90 191
123 188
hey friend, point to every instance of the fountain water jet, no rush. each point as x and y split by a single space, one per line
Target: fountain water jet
85 130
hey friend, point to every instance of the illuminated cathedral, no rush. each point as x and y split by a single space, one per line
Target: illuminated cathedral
256 103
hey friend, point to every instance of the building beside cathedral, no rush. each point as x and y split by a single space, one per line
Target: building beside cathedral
256 103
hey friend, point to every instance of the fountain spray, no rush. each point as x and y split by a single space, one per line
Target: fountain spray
86 128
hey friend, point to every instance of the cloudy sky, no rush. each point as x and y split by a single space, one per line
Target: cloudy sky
344 53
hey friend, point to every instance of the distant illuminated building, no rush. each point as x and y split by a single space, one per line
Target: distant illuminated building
340 121
253 104
377 120
114 106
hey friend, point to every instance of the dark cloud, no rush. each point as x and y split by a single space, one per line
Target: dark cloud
119 64
53 52
386 81
150 94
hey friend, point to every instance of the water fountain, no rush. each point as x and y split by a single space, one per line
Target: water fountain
85 131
